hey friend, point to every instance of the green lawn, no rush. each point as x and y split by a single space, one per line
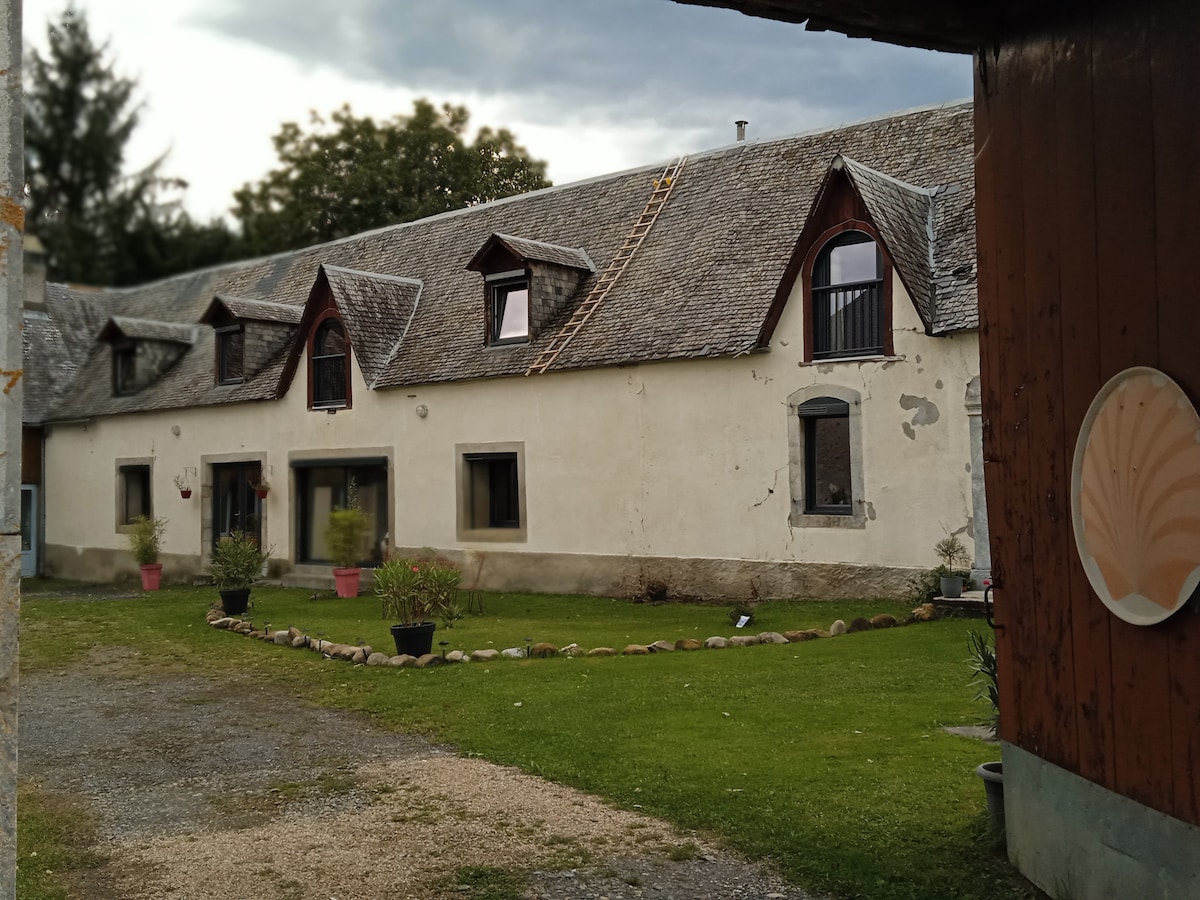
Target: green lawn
826 757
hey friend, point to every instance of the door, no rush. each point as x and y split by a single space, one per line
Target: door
235 506
29 530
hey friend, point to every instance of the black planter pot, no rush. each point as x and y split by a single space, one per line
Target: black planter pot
235 602
415 640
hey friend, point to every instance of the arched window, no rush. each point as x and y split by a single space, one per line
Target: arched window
847 298
329 366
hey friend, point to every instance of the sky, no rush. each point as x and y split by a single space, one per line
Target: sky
590 86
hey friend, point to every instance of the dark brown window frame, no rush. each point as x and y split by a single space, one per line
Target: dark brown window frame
885 290
327 318
124 363
225 337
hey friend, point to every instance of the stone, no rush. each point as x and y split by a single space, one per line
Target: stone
213 614
242 628
485 655
771 637
572 650
300 641
716 642
688 644
401 661
293 632
457 656
513 653
602 651
925 613
542 649
636 650
884 620
744 640
257 635
368 649
223 622
281 638
377 659
838 627
661 647
359 657
859 623
429 661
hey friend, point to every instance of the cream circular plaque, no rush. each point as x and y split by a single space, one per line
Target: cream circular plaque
1135 496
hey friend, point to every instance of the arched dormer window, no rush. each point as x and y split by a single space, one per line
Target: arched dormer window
848 316
329 365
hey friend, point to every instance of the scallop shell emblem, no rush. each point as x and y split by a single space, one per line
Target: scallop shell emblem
1135 496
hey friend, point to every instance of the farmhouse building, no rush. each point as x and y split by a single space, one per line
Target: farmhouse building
751 372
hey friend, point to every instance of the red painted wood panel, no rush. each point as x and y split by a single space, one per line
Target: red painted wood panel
1080 332
1052 667
1088 173
995 339
1175 92
1127 302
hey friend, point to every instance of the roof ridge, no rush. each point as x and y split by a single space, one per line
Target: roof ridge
378 276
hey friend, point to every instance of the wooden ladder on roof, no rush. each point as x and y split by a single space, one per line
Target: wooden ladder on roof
663 185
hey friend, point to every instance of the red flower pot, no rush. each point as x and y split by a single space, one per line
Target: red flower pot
261 493
347 581
185 493
151 576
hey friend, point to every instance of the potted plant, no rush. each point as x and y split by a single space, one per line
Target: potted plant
145 539
344 538
185 489
951 550
412 592
982 663
235 565
261 489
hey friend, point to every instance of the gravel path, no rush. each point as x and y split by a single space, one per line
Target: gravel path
209 790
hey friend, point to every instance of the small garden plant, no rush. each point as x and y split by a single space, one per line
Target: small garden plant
145 539
412 591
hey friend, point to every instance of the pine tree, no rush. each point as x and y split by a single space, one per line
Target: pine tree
100 225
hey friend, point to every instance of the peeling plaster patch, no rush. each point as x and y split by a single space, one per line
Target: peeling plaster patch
920 370
917 357
967 467
938 384
908 431
926 411
870 510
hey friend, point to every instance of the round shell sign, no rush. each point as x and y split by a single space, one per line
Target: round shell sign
1135 496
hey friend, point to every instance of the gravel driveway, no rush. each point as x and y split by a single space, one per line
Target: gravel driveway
210 789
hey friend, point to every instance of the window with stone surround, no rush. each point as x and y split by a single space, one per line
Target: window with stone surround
825 458
133 491
491 492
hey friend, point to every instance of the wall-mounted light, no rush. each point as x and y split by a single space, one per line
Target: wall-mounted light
422 410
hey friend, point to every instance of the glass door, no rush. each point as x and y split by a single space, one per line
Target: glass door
235 506
29 530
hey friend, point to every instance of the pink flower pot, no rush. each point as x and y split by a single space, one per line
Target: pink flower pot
151 576
347 581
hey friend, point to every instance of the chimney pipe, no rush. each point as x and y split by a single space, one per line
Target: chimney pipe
741 129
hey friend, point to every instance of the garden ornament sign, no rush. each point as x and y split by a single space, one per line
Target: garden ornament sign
1135 496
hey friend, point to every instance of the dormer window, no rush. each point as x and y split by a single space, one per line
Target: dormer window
231 355
329 365
509 311
848 298
124 357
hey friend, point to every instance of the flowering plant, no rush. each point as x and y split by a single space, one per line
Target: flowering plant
413 591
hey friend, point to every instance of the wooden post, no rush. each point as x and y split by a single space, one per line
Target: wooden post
12 226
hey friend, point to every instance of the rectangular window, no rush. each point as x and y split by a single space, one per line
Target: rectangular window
231 346
124 369
323 486
491 492
133 493
509 313
827 487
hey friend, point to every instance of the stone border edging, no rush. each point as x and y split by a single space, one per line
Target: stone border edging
363 654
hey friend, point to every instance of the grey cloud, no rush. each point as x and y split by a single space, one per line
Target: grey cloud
607 60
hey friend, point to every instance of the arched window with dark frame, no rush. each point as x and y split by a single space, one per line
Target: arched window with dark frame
329 370
847 297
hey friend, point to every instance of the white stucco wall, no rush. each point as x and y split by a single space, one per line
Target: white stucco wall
680 459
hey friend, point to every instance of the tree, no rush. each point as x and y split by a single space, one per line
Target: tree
99 225
353 174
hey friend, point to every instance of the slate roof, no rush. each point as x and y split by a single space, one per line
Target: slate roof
540 251
699 286
147 330
257 310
